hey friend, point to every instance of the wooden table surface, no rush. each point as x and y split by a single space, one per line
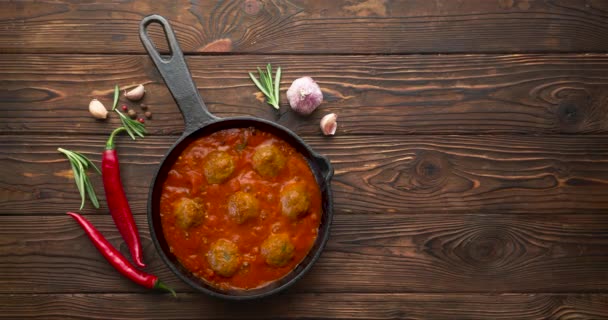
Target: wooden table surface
471 157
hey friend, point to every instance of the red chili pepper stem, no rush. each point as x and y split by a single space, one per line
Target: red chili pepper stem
116 259
117 200
161 286
110 144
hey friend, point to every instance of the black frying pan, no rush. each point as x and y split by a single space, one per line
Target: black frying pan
199 122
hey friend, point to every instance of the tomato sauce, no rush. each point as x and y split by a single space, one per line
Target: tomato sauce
187 179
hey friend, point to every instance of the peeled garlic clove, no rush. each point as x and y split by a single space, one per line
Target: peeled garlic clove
136 93
304 95
329 124
97 109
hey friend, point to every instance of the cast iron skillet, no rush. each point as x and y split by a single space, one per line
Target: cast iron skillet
199 122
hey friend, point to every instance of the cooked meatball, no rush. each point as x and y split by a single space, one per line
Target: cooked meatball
268 160
219 165
277 249
188 213
295 200
224 258
243 206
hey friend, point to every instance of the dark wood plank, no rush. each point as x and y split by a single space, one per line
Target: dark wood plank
374 174
463 94
366 253
308 306
299 26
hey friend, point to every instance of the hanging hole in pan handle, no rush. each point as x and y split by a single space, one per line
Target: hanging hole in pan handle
151 47
176 74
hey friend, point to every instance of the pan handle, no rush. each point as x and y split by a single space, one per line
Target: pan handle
177 76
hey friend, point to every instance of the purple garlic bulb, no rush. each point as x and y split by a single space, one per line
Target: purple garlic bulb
304 95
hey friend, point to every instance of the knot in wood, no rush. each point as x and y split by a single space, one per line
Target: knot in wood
569 113
560 169
490 249
485 251
572 111
252 7
430 169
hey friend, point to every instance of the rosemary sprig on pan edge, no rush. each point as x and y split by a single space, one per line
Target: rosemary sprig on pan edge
269 88
80 164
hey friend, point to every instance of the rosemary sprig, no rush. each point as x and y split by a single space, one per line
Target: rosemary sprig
268 87
133 127
116 93
80 164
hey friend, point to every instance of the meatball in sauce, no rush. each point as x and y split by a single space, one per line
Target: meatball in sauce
224 257
243 206
268 160
218 167
295 200
188 213
277 250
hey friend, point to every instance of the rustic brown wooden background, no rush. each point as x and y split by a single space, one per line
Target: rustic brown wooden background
471 156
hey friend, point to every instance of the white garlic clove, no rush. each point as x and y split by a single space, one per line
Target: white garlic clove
136 93
329 124
97 109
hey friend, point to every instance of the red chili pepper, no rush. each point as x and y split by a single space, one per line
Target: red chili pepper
117 260
117 200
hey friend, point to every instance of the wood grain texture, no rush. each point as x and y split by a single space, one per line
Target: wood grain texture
454 94
373 174
398 253
298 306
299 26
471 157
